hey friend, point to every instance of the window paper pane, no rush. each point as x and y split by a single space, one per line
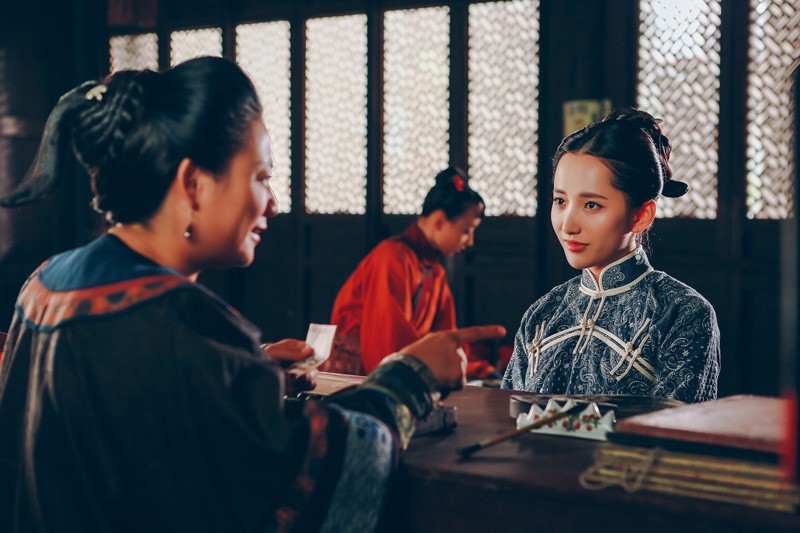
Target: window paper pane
774 45
263 50
503 104
185 45
134 52
336 114
416 104
679 82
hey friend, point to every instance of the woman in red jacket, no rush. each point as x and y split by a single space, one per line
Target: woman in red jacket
399 292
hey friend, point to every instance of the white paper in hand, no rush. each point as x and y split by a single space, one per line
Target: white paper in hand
320 338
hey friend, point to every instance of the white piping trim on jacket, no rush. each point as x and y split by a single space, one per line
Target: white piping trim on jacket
534 348
625 349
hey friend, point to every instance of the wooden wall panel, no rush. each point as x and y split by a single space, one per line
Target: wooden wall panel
496 281
334 246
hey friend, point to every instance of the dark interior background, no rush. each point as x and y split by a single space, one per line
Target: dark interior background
588 50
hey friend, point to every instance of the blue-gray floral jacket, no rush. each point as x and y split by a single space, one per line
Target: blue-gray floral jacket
636 331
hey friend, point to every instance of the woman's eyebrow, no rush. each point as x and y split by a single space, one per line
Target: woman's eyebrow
592 195
584 194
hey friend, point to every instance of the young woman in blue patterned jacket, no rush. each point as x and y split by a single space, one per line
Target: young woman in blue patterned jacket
621 327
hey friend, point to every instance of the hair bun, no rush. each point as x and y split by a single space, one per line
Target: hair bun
674 189
451 193
639 119
47 167
110 113
634 116
453 177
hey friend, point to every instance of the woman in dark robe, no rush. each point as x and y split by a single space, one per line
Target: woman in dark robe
134 399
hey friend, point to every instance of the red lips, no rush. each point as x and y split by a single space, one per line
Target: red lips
575 246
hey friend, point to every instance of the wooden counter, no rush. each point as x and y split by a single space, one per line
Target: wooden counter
531 483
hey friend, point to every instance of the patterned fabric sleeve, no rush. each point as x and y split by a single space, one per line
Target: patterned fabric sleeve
377 416
353 441
517 368
514 377
689 353
368 462
399 392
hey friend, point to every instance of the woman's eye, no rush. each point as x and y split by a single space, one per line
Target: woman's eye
558 201
592 205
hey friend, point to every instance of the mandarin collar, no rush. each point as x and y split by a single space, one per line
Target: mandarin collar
622 272
415 238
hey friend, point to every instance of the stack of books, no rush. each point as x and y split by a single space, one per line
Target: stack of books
745 482
727 450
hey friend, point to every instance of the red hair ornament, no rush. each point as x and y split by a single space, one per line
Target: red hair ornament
459 183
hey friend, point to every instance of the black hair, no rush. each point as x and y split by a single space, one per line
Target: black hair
452 194
131 132
631 143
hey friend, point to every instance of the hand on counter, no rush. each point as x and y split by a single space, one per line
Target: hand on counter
289 352
442 353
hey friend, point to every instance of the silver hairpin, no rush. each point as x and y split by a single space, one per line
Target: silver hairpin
96 92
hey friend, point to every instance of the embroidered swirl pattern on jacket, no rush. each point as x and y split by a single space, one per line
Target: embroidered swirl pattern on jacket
634 331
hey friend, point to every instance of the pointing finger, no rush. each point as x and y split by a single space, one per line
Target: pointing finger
477 333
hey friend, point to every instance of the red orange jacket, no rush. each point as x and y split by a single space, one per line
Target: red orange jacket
397 295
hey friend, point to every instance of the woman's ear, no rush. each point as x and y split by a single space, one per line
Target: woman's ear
190 181
644 216
438 218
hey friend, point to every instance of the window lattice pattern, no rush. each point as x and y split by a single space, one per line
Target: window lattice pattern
134 52
503 92
263 50
416 104
189 44
774 45
679 82
336 114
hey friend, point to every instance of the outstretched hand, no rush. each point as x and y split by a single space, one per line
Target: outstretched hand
443 354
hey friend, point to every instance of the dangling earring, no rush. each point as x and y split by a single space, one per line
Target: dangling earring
638 255
188 233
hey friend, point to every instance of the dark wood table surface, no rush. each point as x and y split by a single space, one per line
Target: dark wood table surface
531 483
